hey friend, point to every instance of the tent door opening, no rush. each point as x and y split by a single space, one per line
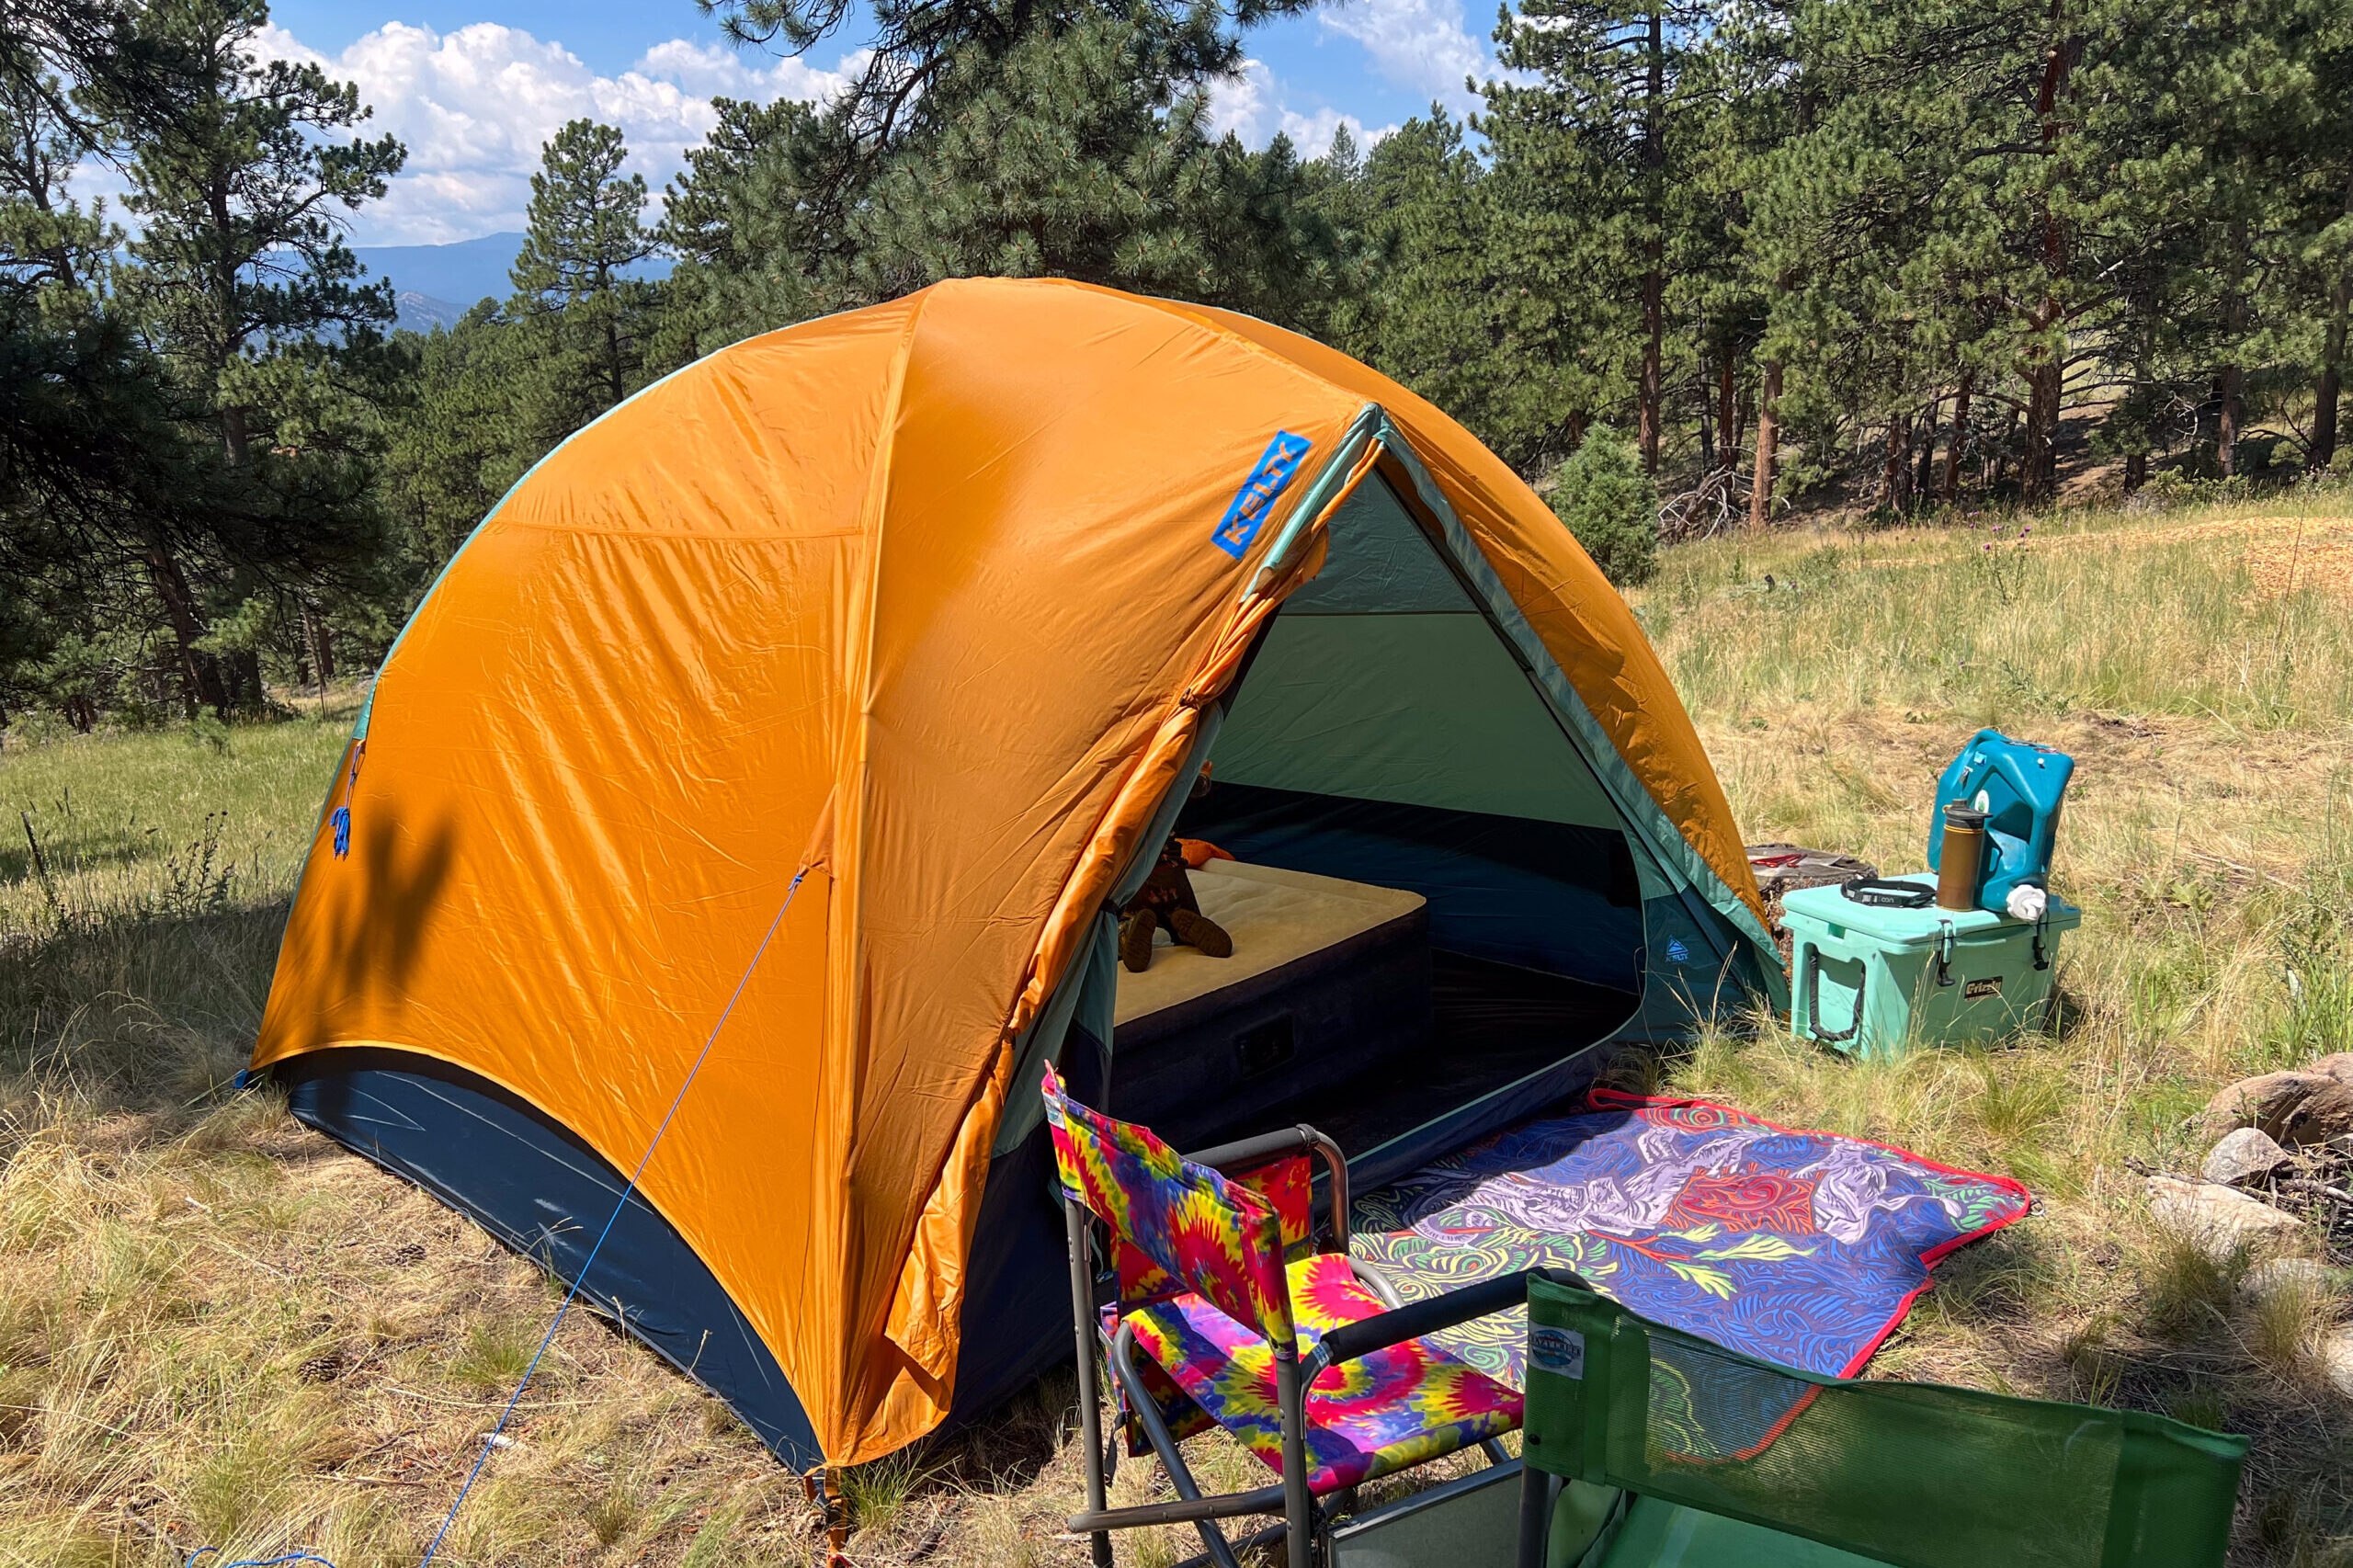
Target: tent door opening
1432 897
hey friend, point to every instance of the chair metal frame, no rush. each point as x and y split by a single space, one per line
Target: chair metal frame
1304 1515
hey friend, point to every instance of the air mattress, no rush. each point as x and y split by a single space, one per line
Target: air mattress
1327 979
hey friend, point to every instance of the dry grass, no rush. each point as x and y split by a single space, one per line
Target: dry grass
2209 839
217 1329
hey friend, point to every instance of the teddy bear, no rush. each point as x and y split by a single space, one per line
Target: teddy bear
1166 900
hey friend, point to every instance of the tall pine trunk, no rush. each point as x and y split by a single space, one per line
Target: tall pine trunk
320 644
2039 465
1768 434
1654 240
1727 414
2332 362
1895 483
201 682
1956 443
2332 376
2229 381
1924 482
2045 367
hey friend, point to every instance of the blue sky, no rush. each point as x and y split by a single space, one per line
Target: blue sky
473 90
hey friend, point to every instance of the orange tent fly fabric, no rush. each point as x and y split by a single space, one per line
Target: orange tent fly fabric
924 597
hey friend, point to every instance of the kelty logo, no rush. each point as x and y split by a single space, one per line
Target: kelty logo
1255 499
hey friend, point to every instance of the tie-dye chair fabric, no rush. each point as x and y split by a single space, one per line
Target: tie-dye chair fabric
1190 1228
1289 1184
1205 1304
1366 1418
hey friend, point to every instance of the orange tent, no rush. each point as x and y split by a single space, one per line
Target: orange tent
939 603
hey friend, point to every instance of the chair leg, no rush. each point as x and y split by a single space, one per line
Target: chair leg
1496 1451
1180 1474
1090 1411
1298 1506
1535 1516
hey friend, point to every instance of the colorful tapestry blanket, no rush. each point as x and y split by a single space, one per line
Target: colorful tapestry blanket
1802 1248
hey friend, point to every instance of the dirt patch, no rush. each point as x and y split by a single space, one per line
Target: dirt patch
2319 560
2283 555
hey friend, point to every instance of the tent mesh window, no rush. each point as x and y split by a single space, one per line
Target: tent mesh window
1913 1474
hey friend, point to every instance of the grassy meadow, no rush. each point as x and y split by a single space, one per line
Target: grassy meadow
217 1329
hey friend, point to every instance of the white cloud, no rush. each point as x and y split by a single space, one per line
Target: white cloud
1311 133
1250 105
475 106
1244 103
1419 44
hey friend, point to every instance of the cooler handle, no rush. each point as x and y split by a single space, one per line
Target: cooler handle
1813 1001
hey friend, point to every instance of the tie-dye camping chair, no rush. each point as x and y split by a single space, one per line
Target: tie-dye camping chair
1303 1355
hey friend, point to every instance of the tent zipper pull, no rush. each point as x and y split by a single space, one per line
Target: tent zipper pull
341 819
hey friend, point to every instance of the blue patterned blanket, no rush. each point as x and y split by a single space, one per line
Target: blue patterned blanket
1801 1249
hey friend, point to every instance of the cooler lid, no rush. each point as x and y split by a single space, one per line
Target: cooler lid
1911 927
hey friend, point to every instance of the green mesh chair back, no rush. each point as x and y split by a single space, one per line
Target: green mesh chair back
1913 1474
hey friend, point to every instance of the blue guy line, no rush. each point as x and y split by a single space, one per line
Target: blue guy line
488 1442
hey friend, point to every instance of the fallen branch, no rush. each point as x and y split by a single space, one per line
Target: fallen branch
2249 870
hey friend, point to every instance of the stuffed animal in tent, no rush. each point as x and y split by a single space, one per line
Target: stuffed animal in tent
1166 901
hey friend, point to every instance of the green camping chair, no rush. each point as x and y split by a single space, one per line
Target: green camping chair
1648 1447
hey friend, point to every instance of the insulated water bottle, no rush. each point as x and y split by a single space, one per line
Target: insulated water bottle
1961 856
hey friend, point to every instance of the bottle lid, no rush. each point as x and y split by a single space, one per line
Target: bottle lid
1965 817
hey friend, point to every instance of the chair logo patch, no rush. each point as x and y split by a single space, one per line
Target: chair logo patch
1560 1351
1257 498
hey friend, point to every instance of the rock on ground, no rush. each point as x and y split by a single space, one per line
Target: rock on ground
2243 1154
2219 1219
2278 1274
2337 1361
2310 1105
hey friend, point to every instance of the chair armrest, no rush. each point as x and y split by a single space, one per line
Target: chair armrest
1243 1154
1379 1333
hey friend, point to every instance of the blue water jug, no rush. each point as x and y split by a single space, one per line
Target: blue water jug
2020 786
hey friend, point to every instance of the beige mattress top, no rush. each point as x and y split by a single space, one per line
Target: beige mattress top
1273 916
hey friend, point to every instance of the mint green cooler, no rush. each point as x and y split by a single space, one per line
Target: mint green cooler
1876 980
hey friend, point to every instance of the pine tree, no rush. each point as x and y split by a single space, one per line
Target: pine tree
574 291
245 290
743 221
912 46
1438 313
1603 497
1606 121
193 436
1086 153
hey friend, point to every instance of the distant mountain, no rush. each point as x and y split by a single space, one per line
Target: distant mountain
466 271
433 279
423 312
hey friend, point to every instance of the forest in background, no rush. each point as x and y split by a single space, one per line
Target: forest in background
1689 265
